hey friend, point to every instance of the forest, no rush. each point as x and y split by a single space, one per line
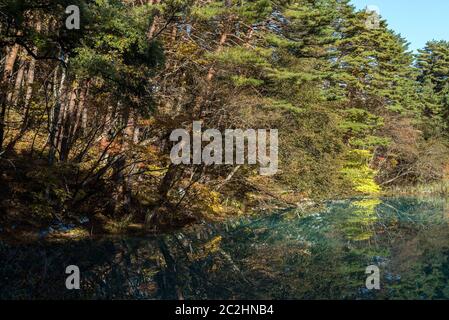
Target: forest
86 114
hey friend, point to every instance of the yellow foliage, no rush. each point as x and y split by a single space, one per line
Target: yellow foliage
207 201
208 248
155 171
358 226
359 174
77 233
189 50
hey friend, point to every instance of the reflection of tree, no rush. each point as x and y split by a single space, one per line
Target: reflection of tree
108 270
365 233
283 256
359 225
423 259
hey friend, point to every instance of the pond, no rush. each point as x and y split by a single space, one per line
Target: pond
284 255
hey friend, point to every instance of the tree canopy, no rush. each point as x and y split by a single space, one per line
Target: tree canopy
86 115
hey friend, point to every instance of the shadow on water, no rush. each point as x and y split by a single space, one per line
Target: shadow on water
321 255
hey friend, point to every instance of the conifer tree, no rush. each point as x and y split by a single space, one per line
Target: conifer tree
433 66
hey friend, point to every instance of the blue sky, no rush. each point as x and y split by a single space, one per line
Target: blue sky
416 20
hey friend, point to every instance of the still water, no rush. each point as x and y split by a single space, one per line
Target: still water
285 255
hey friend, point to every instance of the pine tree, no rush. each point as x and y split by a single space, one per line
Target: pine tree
433 66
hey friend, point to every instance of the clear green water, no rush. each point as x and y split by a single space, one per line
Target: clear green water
285 255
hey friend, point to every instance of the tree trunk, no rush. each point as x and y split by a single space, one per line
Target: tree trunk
154 24
13 96
30 74
4 89
67 124
28 85
55 117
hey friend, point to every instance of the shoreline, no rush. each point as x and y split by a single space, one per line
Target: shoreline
60 232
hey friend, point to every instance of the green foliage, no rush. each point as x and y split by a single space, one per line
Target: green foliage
241 81
214 9
315 70
433 65
242 56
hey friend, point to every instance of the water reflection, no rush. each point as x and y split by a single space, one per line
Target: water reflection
322 255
